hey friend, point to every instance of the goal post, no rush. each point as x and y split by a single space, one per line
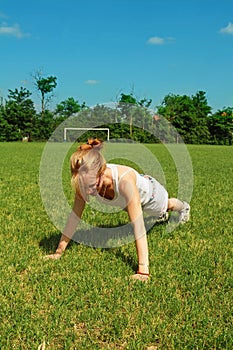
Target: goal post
85 129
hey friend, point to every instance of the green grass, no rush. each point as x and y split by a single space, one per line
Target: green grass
86 300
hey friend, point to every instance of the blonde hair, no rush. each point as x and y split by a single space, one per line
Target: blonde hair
86 158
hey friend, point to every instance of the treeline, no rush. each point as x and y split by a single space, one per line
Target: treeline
179 117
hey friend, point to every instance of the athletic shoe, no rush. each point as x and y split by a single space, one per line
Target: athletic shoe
163 217
184 214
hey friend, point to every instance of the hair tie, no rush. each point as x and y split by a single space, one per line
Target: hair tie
94 143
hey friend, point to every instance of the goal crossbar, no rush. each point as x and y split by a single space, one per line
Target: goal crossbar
84 129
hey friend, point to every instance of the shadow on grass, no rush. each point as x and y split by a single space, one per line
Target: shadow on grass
124 255
49 244
104 237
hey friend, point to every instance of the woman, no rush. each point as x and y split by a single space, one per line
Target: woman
117 185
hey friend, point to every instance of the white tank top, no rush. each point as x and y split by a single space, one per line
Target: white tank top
143 185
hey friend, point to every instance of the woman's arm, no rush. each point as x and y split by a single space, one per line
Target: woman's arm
71 224
130 191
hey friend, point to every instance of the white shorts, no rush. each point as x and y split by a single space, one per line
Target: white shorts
158 202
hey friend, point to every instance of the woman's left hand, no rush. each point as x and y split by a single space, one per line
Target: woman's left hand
140 277
54 256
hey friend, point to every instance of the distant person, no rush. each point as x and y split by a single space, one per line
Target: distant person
117 185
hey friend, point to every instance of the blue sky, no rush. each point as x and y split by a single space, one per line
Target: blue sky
99 49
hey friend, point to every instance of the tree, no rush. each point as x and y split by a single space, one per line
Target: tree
126 104
135 111
221 126
44 126
188 115
45 86
3 123
18 113
143 117
69 107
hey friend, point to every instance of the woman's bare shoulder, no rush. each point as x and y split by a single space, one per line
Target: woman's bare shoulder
123 169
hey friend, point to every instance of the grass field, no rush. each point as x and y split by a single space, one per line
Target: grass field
86 300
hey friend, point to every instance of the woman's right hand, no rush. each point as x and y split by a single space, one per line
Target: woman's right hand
139 277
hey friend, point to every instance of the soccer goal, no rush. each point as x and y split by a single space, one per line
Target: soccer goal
85 129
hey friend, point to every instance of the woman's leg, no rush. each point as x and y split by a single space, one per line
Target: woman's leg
175 204
183 208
